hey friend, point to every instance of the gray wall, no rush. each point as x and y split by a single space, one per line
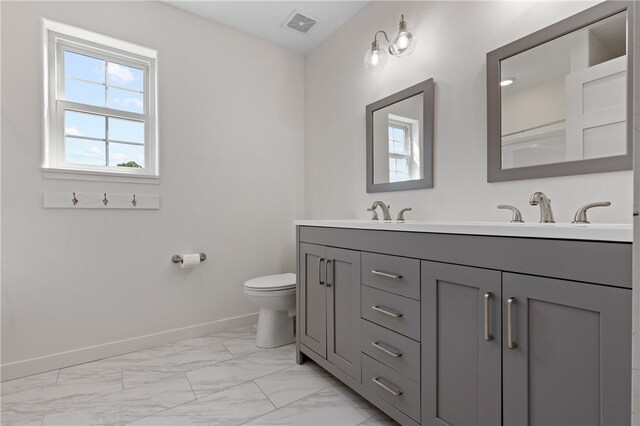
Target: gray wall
231 158
453 38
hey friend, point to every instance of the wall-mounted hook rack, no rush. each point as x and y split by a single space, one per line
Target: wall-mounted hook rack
100 200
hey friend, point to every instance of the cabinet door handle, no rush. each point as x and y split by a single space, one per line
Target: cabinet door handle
320 262
385 387
386 274
394 354
510 343
326 273
487 297
386 312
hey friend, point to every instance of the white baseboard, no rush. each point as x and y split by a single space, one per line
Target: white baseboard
41 364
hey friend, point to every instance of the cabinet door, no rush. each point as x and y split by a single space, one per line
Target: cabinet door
570 362
461 370
313 298
343 311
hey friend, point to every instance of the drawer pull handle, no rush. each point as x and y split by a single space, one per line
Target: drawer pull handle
487 297
385 387
510 343
320 262
394 354
386 312
386 274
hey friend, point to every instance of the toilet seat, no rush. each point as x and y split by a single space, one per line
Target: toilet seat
268 283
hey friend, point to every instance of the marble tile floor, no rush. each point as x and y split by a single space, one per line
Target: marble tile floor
221 379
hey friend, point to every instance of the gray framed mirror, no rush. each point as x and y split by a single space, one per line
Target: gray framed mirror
400 140
557 99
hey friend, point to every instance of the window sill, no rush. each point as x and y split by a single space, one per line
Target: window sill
90 175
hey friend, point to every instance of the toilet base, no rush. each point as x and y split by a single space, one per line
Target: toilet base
275 328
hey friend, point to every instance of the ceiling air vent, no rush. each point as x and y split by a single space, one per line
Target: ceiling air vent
300 22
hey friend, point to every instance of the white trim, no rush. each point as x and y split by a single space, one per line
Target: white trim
96 176
41 364
59 27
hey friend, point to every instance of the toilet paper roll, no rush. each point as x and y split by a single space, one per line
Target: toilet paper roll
190 260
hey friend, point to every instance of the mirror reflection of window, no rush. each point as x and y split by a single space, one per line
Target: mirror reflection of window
399 151
397 142
565 100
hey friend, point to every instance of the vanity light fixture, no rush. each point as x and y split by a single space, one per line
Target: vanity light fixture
401 44
507 81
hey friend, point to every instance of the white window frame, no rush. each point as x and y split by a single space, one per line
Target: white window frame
408 146
60 37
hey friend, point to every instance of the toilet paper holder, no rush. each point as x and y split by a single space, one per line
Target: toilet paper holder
176 258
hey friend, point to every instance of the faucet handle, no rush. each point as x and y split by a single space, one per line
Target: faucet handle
374 214
516 216
400 217
581 214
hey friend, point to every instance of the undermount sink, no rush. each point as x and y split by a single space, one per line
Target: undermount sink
621 232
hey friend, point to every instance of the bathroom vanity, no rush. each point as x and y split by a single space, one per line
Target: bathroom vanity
462 324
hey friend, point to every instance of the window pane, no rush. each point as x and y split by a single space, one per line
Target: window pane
398 134
390 133
84 93
396 148
120 154
84 67
125 100
124 76
81 124
81 151
126 130
402 164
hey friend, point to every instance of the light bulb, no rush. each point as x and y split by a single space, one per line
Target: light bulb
403 43
375 59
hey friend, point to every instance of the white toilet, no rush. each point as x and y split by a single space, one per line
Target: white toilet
275 295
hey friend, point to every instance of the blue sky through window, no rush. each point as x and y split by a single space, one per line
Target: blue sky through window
85 83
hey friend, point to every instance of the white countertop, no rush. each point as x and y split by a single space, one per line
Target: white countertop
620 232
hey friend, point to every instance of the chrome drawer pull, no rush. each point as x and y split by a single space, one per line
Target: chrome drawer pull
487 336
377 345
510 343
386 274
385 387
384 311
320 262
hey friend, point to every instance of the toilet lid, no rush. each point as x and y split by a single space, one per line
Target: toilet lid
272 282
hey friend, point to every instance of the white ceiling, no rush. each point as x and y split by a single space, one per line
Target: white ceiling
264 19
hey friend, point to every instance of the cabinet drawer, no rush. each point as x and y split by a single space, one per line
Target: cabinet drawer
394 312
392 349
393 387
399 275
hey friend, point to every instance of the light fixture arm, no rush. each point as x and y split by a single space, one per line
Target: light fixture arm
403 24
375 37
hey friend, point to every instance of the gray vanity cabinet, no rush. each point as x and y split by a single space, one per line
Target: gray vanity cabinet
570 354
343 310
461 374
312 314
329 305
446 329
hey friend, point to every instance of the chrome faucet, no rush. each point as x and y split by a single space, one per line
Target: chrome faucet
385 209
546 214
581 214
400 217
